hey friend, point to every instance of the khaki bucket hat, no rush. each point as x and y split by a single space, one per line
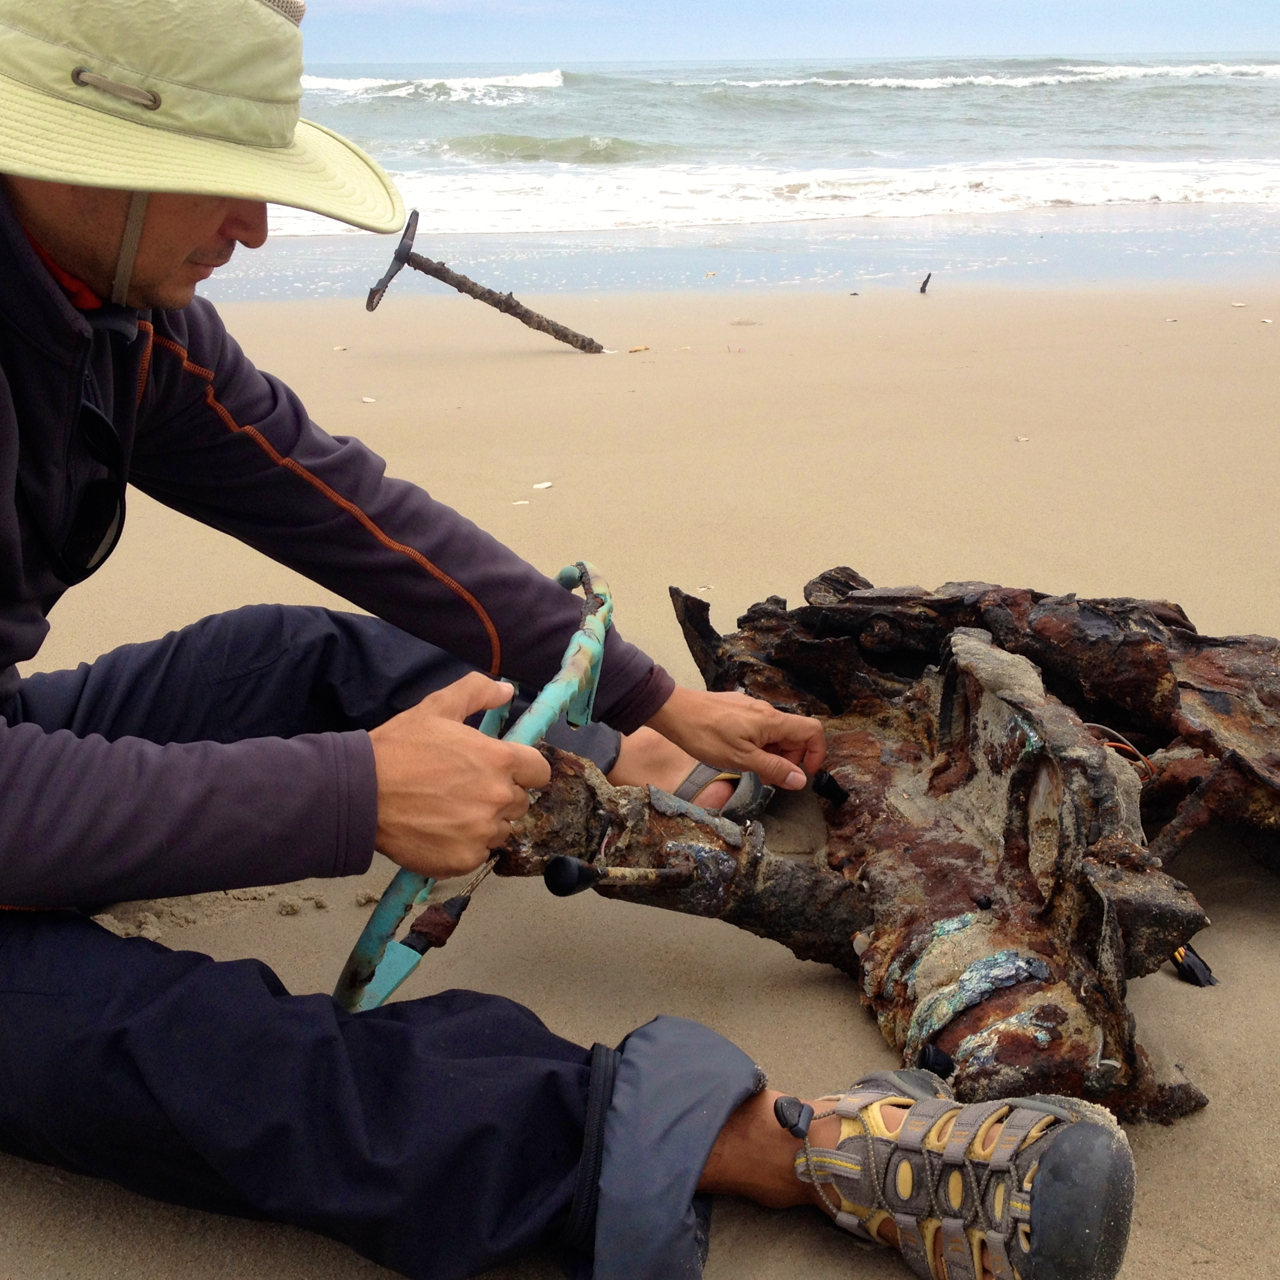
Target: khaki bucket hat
192 96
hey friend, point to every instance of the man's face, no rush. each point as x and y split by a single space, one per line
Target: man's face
184 239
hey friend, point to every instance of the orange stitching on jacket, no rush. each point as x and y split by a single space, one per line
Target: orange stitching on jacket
181 353
345 504
145 326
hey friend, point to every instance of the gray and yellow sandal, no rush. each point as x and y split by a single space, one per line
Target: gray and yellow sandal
749 800
1050 1196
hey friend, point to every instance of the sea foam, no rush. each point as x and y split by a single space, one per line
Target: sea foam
481 89
1066 75
616 148
561 197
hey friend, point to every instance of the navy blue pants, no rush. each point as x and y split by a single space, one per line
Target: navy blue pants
257 672
435 1136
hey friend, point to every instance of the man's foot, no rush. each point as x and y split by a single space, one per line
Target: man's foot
649 759
993 1191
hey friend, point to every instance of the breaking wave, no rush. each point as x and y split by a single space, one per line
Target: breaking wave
687 145
498 90
565 197
1065 75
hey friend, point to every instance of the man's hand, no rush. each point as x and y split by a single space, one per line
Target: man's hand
447 794
733 731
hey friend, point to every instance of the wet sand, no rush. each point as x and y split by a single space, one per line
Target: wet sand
1064 440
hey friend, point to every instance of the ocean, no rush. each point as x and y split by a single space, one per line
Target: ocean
806 174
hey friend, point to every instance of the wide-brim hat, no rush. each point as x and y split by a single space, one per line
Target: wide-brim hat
192 96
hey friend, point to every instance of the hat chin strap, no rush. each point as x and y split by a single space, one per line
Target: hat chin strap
129 248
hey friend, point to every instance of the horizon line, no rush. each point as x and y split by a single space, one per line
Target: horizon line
556 63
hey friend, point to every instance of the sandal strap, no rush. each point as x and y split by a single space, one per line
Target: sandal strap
908 1082
749 799
1013 1135
1019 1207
957 1252
920 1121
912 1247
1001 1265
968 1122
701 776
851 1223
835 1164
851 1105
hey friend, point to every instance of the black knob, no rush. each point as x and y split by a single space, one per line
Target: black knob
794 1116
566 876
829 789
936 1060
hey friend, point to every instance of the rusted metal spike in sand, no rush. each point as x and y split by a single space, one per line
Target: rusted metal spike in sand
504 302
988 882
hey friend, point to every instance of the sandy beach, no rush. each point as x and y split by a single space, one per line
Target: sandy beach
1100 439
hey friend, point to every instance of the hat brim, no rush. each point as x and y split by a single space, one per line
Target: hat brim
45 137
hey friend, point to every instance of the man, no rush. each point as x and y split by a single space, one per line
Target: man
138 142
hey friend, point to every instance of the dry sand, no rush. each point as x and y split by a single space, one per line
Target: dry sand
1065 440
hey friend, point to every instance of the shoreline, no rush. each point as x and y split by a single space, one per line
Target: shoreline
1118 245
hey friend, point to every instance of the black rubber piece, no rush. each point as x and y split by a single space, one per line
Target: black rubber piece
1192 967
829 789
794 1116
457 905
566 876
937 1061
1081 1205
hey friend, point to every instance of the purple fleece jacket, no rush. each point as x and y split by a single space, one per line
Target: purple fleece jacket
87 820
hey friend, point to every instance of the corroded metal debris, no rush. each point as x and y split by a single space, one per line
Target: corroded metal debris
724 871
988 881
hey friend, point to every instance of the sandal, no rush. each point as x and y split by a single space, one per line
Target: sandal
1051 1198
750 798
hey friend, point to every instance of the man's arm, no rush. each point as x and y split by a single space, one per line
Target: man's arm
86 821
234 448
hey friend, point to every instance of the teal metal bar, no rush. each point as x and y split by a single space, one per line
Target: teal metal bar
356 987
378 964
572 693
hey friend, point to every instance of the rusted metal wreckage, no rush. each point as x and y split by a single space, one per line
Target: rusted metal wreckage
987 882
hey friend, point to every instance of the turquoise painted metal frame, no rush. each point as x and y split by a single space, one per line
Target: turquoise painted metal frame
378 964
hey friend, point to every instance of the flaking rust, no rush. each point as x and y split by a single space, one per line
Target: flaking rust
988 882
727 873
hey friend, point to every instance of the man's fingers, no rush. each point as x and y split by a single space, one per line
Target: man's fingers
463 698
815 755
500 834
799 742
510 813
529 768
801 739
775 771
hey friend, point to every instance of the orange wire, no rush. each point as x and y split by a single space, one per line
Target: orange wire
1125 746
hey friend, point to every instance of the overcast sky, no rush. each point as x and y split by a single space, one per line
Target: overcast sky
565 31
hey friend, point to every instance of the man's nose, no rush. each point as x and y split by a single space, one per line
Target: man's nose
246 222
